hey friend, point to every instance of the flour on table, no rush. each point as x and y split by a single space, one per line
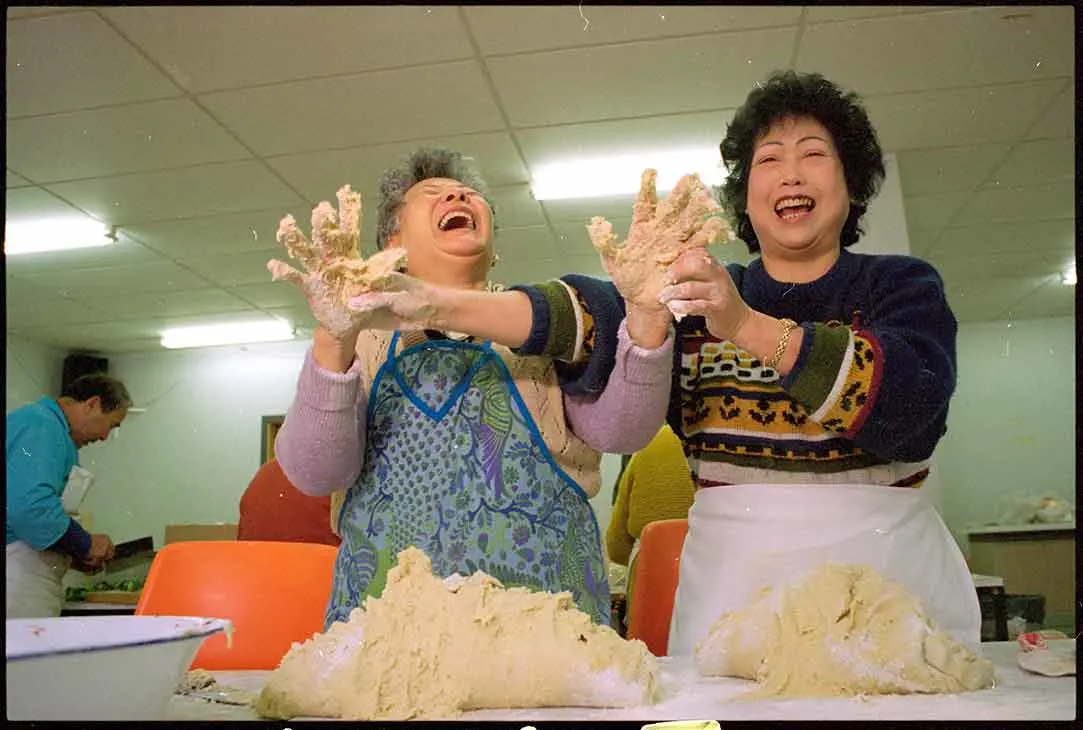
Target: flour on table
430 648
842 630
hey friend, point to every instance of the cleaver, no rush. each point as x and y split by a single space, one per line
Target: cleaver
133 552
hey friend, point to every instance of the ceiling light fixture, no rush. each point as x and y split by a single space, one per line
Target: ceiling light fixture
620 174
1068 277
58 234
238 333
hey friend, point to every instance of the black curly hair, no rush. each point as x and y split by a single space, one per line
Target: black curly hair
791 94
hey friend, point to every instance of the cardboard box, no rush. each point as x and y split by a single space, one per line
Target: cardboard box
189 533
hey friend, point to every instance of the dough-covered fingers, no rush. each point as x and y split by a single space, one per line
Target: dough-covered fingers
297 246
324 230
281 271
601 235
349 222
669 212
692 264
687 290
647 200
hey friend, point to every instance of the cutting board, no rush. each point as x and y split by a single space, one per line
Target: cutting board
127 598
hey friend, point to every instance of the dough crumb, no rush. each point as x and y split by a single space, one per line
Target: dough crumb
842 630
431 648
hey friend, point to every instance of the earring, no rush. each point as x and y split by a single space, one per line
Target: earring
495 260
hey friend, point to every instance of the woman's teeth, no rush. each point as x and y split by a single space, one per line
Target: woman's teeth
456 219
791 209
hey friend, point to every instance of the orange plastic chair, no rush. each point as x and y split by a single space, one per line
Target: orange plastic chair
275 593
654 583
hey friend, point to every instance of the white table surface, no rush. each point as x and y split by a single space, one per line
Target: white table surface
1018 695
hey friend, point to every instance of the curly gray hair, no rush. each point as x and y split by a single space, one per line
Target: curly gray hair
422 164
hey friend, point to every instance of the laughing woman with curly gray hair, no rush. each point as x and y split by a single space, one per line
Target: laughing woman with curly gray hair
426 437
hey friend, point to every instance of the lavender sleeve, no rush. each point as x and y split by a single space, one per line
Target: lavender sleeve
321 444
632 407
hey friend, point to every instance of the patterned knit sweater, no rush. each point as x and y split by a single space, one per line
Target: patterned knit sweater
866 401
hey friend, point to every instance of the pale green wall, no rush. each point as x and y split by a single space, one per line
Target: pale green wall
1011 428
32 370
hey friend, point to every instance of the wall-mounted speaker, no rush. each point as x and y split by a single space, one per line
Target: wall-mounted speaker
77 364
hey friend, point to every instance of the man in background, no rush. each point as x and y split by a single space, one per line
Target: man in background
42 447
273 509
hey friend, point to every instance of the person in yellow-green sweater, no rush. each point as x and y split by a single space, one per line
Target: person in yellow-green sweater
656 485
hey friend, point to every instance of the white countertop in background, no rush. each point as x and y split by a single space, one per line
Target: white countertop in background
685 695
1032 527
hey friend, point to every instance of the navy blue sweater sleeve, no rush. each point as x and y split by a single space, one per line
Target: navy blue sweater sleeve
604 306
914 335
75 541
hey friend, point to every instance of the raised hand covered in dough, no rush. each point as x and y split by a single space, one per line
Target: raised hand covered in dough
699 284
660 232
335 272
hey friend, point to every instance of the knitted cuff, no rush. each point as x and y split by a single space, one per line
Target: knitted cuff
326 390
818 363
539 327
640 365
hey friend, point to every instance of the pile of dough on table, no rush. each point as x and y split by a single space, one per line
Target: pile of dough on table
842 630
430 648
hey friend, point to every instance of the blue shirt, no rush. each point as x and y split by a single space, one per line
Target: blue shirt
40 454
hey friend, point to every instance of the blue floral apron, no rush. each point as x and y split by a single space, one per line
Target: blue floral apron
456 466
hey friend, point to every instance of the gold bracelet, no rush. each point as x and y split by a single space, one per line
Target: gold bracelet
788 326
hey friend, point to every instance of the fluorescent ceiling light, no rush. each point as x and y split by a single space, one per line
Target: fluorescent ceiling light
227 334
619 175
58 234
1068 277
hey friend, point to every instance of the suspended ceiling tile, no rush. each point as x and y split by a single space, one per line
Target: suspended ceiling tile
170 304
957 117
514 29
132 138
1037 162
674 75
644 136
1006 237
118 280
236 269
318 175
933 211
526 243
200 46
948 169
515 207
1039 202
964 47
197 191
81 61
281 119
1058 120
227 233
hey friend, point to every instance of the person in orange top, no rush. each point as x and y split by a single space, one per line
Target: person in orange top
273 509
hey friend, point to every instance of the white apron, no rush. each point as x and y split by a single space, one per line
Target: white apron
741 538
33 586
